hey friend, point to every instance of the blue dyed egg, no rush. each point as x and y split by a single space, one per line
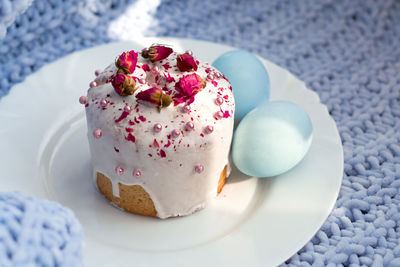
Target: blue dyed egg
272 139
248 77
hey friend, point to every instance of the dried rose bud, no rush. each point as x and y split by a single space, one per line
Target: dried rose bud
126 62
157 52
124 85
155 96
186 62
187 87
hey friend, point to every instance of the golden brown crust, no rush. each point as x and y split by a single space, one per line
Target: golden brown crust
222 179
133 198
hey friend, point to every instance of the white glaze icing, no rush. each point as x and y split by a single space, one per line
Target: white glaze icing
171 181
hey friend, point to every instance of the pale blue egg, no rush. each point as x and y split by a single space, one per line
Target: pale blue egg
248 77
272 139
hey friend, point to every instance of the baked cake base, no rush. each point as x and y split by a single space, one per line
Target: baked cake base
134 199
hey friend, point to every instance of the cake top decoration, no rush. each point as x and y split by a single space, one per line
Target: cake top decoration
126 62
155 96
187 87
157 52
186 62
123 84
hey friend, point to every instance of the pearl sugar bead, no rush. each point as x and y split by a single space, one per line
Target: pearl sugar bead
218 115
137 173
157 127
209 129
210 77
97 133
189 126
119 170
83 100
199 168
175 133
219 101
127 109
103 103
186 109
155 69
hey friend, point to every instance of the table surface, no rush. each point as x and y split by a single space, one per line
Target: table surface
346 51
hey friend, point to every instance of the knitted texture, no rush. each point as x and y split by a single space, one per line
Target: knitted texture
9 10
37 232
346 50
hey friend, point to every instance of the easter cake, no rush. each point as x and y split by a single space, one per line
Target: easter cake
159 128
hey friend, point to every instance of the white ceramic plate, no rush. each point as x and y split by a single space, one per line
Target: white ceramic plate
254 222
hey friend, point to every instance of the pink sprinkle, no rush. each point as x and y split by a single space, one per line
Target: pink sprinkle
214 83
130 138
169 78
83 100
123 116
145 67
93 84
167 144
137 173
119 170
129 130
142 81
162 153
166 66
218 75
155 143
97 133
142 118
226 114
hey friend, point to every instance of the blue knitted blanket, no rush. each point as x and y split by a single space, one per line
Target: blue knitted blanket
348 51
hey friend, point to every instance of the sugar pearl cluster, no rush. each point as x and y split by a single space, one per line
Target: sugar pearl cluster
212 75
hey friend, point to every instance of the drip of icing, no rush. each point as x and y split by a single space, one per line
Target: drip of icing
115 187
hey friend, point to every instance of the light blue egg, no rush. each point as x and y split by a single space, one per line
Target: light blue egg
248 77
272 139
